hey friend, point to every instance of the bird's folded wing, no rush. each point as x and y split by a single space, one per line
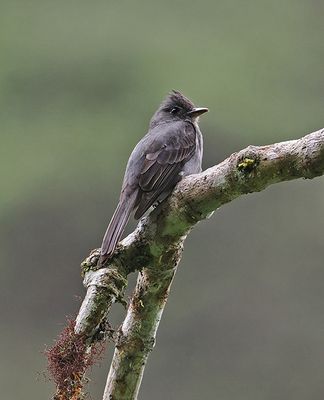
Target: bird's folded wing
162 166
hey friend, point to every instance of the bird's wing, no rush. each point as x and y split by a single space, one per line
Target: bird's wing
162 165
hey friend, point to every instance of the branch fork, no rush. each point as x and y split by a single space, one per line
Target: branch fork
155 248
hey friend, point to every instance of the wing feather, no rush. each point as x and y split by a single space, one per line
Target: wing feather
161 167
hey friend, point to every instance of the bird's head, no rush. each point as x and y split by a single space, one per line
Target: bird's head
176 107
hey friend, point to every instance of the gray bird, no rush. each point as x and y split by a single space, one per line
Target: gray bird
171 149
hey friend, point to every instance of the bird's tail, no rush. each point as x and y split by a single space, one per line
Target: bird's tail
116 228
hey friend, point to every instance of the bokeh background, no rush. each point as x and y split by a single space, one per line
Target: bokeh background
79 81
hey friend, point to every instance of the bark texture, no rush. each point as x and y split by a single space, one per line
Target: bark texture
155 247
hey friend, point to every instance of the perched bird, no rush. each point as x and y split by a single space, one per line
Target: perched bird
171 149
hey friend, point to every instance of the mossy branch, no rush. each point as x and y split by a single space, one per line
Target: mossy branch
155 248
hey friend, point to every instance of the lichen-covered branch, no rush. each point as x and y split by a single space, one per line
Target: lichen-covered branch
155 248
137 334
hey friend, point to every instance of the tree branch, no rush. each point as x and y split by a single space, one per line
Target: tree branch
155 248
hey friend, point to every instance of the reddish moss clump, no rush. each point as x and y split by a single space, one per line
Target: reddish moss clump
68 360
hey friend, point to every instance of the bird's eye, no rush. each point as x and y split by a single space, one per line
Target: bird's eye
174 110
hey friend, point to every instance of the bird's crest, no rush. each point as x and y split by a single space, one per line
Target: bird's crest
175 98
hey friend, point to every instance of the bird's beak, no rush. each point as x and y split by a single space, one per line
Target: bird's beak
195 112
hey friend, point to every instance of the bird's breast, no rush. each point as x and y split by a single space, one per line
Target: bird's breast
194 165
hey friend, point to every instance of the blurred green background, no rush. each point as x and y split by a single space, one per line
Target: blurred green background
79 81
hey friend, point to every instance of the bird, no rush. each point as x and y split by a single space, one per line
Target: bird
171 149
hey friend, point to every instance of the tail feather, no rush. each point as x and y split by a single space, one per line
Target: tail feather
116 228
